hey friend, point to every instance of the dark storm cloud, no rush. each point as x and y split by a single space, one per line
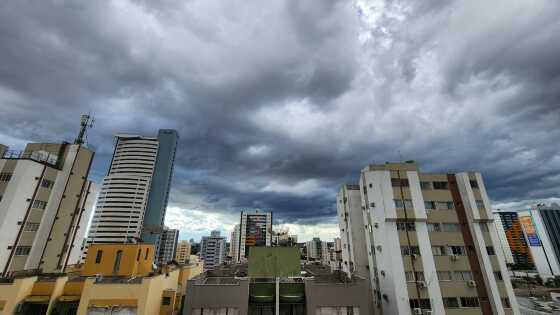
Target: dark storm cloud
279 104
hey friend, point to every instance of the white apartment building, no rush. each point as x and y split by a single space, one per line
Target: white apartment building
45 204
213 250
168 245
255 230
234 243
352 235
430 242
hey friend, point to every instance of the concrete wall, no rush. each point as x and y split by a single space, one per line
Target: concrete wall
217 295
355 293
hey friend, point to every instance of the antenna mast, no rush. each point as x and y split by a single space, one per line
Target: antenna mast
86 121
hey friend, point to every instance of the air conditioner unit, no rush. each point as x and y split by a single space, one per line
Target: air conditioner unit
422 284
453 257
471 283
417 311
372 205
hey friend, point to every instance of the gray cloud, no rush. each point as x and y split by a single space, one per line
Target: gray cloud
279 104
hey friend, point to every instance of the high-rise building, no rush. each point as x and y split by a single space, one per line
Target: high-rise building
317 250
283 238
504 245
516 239
213 250
541 240
352 236
168 245
183 252
430 241
550 216
255 230
234 243
45 204
133 196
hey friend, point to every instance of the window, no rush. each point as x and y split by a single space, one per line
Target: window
458 250
444 276
490 250
399 203
444 205
484 227
39 204
406 226
140 252
463 275
5 177
439 251
450 227
409 276
480 204
498 275
31 227
117 263
469 302
420 303
450 302
98 256
434 227
22 250
429 205
474 184
410 250
147 253
45 183
227 311
396 182
425 185
441 185
166 300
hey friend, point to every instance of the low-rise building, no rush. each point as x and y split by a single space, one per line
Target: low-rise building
272 283
114 278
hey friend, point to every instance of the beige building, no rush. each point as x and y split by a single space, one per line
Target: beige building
183 253
430 239
115 279
45 204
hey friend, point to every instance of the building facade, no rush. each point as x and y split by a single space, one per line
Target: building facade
539 240
45 203
352 237
234 243
255 230
133 196
213 250
317 250
516 239
504 244
168 245
430 241
183 252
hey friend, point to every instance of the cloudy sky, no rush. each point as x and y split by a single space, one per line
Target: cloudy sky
279 102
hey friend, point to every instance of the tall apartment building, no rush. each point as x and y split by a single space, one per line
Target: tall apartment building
133 196
515 237
255 230
430 241
234 243
540 239
317 249
550 217
183 252
45 204
504 244
213 250
168 245
352 236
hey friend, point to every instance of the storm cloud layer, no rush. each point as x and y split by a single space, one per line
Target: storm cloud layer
278 103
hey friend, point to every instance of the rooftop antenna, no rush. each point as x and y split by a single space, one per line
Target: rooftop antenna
86 121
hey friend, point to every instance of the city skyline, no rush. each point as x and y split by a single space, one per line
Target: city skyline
288 101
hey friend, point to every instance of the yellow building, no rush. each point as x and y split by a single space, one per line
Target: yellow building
183 252
113 277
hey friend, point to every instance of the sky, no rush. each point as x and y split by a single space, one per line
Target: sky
278 103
